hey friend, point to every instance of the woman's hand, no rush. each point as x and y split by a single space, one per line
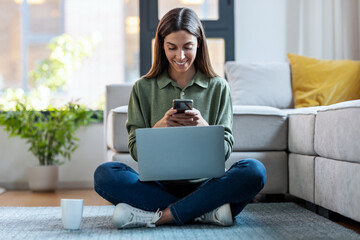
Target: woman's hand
168 119
197 119
189 118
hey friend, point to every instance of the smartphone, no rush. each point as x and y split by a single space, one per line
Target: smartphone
182 104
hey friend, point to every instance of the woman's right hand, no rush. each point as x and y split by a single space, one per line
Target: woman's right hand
167 120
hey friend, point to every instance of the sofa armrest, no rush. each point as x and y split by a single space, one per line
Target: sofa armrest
337 131
117 95
117 136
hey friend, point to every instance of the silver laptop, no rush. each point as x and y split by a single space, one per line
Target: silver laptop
176 153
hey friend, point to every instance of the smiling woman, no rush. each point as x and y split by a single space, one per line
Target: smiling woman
180 49
181 69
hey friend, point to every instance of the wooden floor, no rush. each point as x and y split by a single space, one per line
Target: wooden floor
49 199
91 198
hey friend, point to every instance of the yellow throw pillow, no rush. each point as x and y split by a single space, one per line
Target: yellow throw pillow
323 82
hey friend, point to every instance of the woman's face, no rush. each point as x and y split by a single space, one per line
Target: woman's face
180 49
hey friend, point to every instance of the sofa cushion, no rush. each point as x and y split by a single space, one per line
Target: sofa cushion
302 176
117 95
323 82
301 130
263 84
276 165
117 136
255 128
123 158
301 133
337 131
337 186
259 128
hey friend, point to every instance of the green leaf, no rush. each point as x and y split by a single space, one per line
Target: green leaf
50 134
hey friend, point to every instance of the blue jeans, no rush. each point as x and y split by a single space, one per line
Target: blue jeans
118 183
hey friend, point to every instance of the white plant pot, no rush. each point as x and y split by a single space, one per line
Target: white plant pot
43 178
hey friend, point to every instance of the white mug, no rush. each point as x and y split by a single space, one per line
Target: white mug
71 212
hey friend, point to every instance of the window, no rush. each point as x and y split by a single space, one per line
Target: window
27 26
132 41
217 17
10 44
125 27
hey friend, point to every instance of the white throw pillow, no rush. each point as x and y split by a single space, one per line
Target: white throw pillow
264 84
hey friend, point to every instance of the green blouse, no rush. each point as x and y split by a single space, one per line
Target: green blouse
150 99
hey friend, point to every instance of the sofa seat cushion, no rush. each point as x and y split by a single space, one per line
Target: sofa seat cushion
254 128
117 136
337 131
260 84
259 128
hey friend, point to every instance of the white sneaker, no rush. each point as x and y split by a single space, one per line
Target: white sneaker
220 216
126 216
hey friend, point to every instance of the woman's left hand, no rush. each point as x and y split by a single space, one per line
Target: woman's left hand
198 120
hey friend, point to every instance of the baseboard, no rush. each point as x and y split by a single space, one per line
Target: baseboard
15 185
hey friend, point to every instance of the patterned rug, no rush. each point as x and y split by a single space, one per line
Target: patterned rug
257 221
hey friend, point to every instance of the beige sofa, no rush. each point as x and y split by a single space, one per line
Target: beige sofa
312 153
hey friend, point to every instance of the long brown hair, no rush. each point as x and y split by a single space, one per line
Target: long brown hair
175 20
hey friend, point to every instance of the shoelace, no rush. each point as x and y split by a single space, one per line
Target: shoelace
200 218
207 217
143 218
156 216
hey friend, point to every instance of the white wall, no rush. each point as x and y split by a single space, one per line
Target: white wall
260 30
78 173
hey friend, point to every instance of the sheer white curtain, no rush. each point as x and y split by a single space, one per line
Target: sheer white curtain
106 65
326 29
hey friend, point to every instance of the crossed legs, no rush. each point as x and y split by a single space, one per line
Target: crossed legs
118 183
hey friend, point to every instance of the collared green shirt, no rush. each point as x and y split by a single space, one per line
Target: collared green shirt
150 99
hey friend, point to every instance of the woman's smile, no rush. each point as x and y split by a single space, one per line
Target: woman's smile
181 64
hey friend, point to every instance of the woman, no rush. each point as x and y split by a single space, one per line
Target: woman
181 69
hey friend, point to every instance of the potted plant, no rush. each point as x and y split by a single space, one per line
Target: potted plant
49 131
50 135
